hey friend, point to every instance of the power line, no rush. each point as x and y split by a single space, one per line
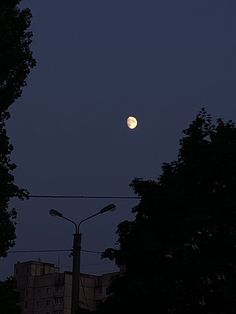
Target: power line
85 196
51 251
39 251
95 252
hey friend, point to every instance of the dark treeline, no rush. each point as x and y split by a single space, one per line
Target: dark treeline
15 63
179 253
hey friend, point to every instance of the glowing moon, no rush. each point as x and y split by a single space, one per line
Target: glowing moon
132 122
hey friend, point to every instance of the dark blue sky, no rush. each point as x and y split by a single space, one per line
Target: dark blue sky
97 63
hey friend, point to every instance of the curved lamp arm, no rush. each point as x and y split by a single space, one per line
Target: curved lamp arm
109 207
55 213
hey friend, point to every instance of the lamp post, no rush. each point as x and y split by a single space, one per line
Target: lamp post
77 251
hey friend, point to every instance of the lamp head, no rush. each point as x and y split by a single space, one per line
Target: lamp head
109 207
54 212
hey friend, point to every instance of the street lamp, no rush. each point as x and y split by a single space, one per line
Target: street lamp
77 251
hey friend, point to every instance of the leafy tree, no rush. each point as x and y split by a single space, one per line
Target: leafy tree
82 311
15 63
180 251
9 297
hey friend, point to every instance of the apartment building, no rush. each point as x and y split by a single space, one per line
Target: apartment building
44 290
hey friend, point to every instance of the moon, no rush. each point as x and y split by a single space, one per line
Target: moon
132 122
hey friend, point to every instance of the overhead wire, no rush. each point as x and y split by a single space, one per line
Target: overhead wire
84 196
51 251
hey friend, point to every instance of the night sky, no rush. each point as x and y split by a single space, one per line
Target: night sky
97 63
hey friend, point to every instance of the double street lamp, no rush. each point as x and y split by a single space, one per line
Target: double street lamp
77 251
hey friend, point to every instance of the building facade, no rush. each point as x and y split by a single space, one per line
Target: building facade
44 290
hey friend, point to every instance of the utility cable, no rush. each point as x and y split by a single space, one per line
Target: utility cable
51 251
84 196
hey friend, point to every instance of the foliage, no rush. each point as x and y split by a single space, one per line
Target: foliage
82 311
15 63
180 251
9 297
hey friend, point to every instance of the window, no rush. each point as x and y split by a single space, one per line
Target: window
58 300
48 302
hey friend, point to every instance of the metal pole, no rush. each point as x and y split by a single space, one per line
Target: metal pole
75 297
76 273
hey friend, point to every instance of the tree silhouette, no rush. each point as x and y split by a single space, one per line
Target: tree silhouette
9 297
179 252
15 63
